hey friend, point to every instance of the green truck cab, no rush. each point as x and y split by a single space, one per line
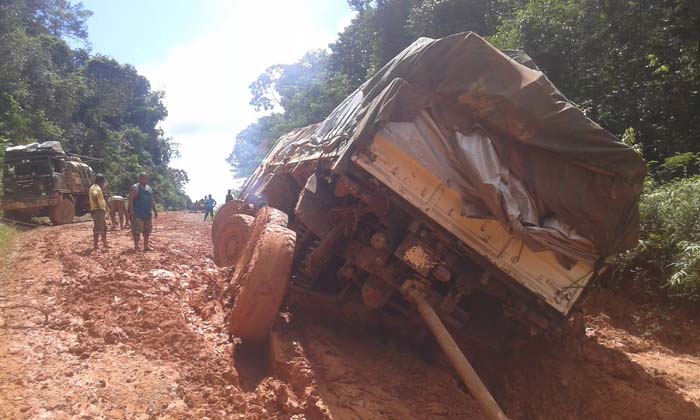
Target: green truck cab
42 180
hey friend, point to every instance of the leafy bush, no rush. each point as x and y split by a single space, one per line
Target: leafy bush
6 235
669 248
680 165
686 269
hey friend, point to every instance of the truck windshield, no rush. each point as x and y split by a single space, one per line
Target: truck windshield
28 167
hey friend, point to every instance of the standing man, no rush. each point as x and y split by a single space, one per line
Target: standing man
98 210
229 196
209 207
141 208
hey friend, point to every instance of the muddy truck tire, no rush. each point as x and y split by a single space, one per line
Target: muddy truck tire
62 213
232 227
231 239
265 216
276 217
221 217
263 281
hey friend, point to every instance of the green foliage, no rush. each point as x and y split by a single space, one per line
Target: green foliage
298 94
58 18
305 92
679 165
93 105
630 138
440 18
253 143
627 64
384 28
685 279
669 248
6 235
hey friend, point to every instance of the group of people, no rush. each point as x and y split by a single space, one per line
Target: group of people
139 213
210 204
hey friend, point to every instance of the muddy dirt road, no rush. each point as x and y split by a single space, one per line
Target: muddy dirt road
120 334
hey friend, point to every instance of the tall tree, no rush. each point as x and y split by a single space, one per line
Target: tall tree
297 94
93 105
627 64
375 35
440 18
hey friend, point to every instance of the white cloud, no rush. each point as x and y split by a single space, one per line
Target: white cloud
206 81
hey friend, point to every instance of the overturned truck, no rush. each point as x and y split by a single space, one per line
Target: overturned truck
458 174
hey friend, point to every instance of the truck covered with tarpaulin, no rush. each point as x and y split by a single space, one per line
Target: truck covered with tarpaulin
457 168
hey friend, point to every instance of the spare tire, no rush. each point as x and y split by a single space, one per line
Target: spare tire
63 212
222 215
263 283
232 239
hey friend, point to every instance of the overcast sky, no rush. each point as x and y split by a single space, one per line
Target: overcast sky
203 54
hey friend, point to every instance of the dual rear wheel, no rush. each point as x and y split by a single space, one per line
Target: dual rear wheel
261 250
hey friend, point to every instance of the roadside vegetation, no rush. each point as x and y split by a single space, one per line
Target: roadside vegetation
633 67
52 88
6 235
668 255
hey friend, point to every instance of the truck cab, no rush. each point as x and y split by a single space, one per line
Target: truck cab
42 180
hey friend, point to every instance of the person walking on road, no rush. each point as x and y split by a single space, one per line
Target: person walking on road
98 210
142 207
229 196
209 207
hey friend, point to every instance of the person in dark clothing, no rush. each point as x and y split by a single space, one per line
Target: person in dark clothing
142 208
229 196
209 207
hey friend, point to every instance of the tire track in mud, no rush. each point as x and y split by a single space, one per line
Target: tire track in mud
133 335
141 336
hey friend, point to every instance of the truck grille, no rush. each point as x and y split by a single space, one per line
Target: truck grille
23 190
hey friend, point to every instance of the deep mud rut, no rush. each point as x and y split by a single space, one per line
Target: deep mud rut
120 334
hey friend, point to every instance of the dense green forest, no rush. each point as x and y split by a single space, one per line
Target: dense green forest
92 104
633 66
